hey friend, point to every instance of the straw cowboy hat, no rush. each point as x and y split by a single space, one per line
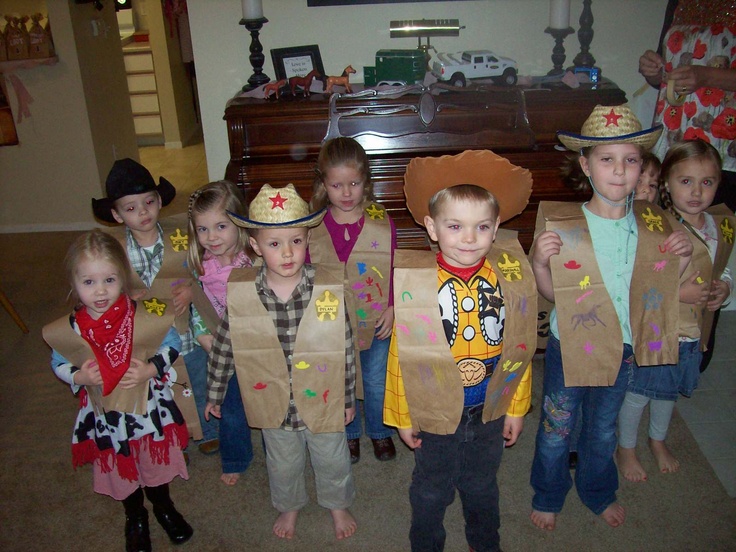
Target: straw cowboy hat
128 177
278 208
608 124
425 176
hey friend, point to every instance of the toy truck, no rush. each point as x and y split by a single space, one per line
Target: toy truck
457 69
396 67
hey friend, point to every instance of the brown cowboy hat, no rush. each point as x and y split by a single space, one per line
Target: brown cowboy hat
610 124
278 208
425 176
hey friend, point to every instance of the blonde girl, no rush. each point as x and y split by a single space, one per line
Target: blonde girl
358 232
216 247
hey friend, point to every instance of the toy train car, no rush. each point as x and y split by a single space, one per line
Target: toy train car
396 67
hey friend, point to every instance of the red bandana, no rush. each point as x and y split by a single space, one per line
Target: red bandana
111 339
463 273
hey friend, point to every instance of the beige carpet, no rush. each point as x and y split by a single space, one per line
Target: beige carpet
46 505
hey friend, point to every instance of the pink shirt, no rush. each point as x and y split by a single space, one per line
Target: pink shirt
214 279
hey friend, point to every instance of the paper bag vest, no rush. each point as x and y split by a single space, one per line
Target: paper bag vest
432 377
174 266
150 327
367 271
696 321
318 363
590 333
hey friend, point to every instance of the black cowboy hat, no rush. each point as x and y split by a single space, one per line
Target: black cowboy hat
128 177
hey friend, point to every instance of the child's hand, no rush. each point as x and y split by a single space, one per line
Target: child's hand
349 415
206 341
547 244
719 292
213 409
410 438
137 373
385 323
512 427
138 294
89 373
182 294
678 242
693 292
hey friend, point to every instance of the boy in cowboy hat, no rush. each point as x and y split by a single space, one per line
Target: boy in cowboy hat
157 250
292 348
458 380
611 267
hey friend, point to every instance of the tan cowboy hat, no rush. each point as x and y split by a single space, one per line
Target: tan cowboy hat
278 208
425 176
610 124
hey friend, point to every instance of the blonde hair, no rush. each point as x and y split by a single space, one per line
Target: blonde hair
462 192
682 151
93 245
221 194
339 152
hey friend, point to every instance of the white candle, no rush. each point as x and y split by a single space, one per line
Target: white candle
253 9
559 14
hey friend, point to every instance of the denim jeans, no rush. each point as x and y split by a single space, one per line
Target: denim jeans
236 448
373 366
596 478
468 461
196 362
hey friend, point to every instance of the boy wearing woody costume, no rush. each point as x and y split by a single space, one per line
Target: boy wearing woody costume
292 349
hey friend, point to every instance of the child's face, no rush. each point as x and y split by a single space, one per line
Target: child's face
464 230
217 234
283 250
614 170
345 186
692 184
98 284
648 185
139 212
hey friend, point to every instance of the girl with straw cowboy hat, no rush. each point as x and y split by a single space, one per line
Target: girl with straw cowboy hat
609 265
292 348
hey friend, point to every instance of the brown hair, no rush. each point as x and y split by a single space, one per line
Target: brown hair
221 194
462 192
682 151
97 244
339 152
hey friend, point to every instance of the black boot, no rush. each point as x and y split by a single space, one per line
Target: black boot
137 538
173 522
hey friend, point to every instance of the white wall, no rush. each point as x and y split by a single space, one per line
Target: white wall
352 34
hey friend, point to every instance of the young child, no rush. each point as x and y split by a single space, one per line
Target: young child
217 247
648 187
691 173
608 265
116 354
158 253
459 381
358 233
292 348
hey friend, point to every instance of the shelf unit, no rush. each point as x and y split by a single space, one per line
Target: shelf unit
143 92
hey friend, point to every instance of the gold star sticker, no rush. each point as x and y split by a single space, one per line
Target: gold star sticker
375 212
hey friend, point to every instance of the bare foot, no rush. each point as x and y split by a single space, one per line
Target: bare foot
285 524
544 520
666 462
345 524
629 465
614 515
230 478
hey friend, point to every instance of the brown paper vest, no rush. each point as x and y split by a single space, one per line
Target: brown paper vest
590 333
318 364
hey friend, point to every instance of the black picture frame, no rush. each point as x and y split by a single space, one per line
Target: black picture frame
296 61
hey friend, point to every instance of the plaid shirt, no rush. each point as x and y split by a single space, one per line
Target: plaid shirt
147 264
286 317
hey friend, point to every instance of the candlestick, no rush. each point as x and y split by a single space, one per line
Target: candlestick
256 53
585 36
558 52
559 14
252 9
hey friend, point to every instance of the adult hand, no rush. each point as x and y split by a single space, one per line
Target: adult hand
650 66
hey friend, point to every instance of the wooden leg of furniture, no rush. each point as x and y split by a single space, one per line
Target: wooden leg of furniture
13 313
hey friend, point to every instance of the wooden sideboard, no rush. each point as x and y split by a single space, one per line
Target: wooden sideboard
277 141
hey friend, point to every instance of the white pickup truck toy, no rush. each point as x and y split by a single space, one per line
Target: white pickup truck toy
457 69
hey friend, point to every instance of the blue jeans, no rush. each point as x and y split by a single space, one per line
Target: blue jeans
468 461
196 362
236 449
596 478
373 366
664 382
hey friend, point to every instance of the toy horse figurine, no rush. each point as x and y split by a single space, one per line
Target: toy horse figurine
343 80
274 87
304 82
